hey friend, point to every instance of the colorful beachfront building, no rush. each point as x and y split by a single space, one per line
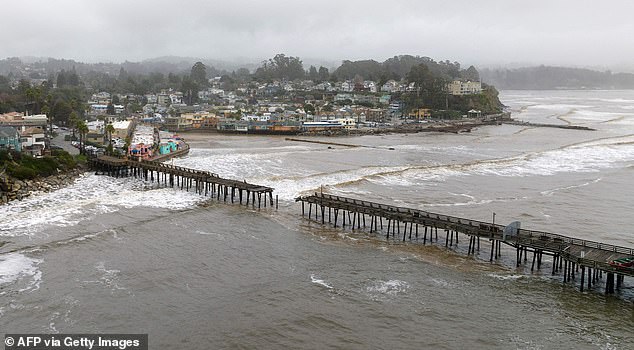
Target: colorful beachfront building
10 138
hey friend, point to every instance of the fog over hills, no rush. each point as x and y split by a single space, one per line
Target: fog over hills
483 33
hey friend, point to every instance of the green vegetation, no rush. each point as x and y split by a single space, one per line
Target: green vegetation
429 91
280 67
65 103
25 167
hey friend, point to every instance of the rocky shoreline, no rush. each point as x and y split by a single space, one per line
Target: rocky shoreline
13 189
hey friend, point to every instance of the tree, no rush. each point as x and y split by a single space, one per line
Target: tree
34 98
324 74
73 120
243 74
173 79
109 129
430 89
61 111
45 110
199 74
367 69
280 67
312 73
190 90
82 128
471 74
309 109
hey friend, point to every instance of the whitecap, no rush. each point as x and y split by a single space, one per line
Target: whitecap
506 277
16 268
315 279
390 287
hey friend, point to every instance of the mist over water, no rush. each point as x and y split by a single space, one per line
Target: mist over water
120 255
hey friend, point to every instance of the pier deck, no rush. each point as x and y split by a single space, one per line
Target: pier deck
572 253
203 182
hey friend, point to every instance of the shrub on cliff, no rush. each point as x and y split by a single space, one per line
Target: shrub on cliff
25 167
65 159
21 172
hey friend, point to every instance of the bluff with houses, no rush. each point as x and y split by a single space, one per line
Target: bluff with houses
280 96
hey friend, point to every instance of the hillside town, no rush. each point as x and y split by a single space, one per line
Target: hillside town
277 98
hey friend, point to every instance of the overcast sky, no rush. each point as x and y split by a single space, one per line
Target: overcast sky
578 32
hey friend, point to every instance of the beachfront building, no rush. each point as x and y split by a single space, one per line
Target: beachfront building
10 138
420 113
122 129
33 141
143 140
192 121
474 113
332 124
459 88
22 122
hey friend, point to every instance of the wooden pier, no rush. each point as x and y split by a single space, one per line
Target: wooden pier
572 257
202 182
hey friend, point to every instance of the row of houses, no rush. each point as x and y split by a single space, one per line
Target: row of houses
23 133
348 86
285 127
29 141
97 133
206 120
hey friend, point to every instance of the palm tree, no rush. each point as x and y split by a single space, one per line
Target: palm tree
82 128
74 120
109 130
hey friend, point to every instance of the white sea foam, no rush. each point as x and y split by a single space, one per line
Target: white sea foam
587 157
390 287
315 279
554 190
559 106
590 115
18 269
506 277
89 196
287 189
442 283
107 277
244 164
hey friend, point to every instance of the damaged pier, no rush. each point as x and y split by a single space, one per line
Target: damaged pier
571 257
202 182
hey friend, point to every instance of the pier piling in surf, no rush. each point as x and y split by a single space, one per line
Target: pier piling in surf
568 253
202 182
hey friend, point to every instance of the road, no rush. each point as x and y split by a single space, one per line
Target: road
66 145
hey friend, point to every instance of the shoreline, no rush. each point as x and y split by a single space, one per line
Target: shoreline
12 189
447 126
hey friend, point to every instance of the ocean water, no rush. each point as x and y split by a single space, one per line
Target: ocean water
120 255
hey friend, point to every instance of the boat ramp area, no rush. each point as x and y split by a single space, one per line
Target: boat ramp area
572 258
202 182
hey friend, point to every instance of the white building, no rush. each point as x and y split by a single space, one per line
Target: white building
459 88
95 126
33 141
121 129
32 136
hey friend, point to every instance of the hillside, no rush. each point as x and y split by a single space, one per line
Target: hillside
550 78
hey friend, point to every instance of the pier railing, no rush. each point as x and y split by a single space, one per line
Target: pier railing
470 226
203 182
